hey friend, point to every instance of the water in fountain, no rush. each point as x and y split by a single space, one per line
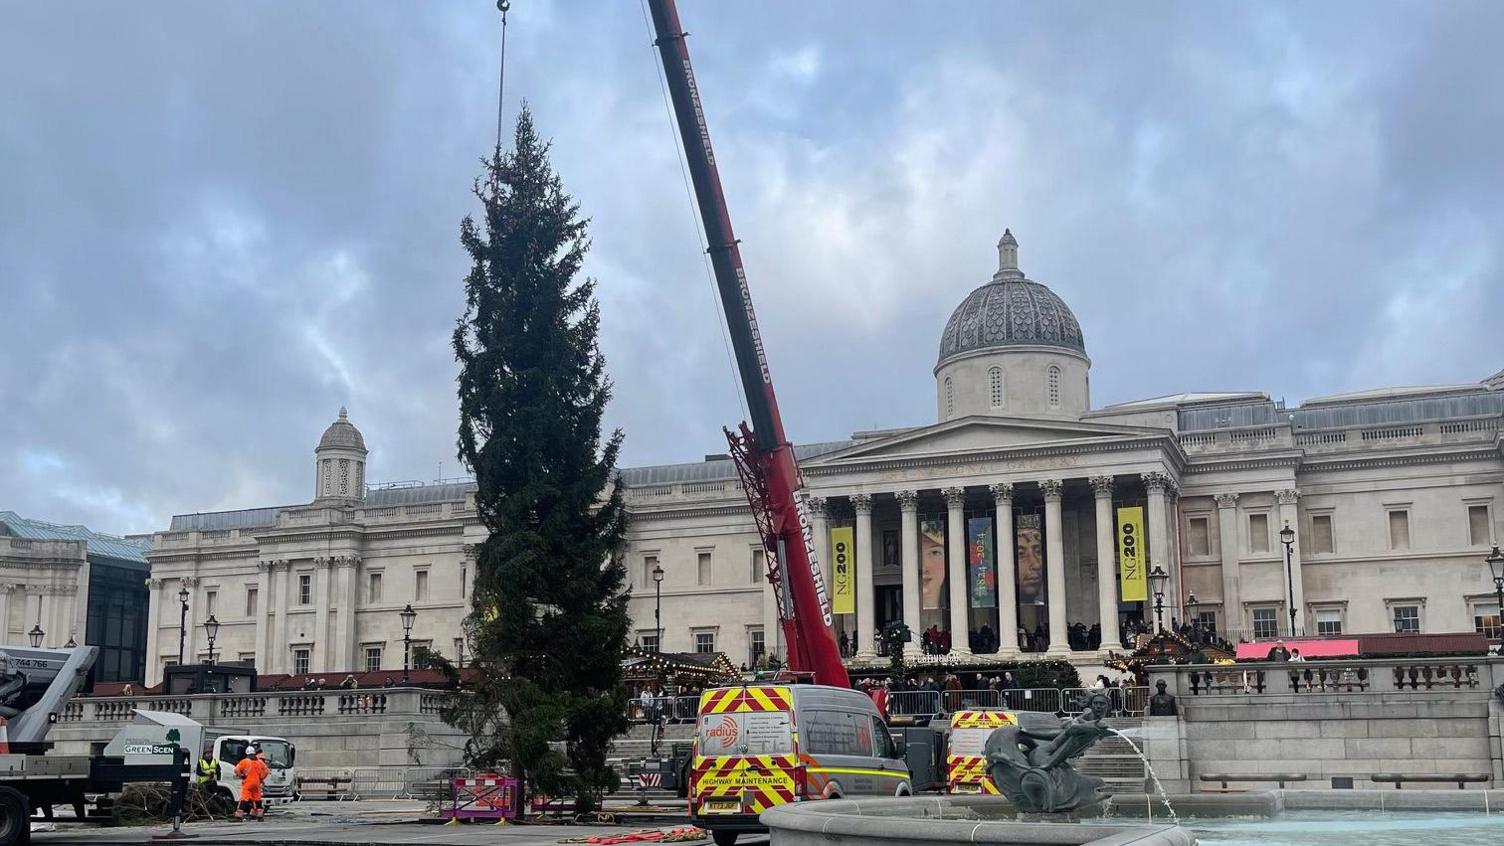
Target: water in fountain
1163 797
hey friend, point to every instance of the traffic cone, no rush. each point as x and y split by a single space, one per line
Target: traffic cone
4 738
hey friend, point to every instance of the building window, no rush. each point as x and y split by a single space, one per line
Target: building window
1207 620
995 379
459 652
1321 534
1407 619
1486 619
373 659
950 399
300 661
211 599
1399 530
1258 533
1478 533
1265 623
422 655
704 571
756 645
704 643
759 566
420 586
649 564
1198 536
251 595
248 658
649 641
1054 386
373 588
1328 621
305 589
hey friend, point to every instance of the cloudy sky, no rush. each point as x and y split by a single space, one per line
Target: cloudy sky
219 222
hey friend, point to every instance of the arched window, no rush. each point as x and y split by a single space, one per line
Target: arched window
950 399
1054 386
995 377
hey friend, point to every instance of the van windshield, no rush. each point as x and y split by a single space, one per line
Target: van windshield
747 733
969 741
278 752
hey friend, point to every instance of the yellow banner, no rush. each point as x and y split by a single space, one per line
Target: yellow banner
1132 554
843 570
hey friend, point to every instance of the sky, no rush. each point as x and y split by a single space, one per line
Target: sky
221 222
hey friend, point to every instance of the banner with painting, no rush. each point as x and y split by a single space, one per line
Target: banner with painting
1029 558
980 565
932 563
842 569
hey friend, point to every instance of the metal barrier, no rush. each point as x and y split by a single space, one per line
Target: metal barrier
1043 699
1070 701
431 783
961 700
913 703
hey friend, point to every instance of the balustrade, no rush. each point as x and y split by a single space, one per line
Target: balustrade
1348 676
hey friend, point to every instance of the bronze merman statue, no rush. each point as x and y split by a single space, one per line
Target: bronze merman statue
1030 762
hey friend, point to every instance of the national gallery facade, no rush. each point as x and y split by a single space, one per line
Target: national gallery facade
1021 518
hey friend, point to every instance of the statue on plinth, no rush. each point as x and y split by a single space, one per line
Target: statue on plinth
1030 762
1162 704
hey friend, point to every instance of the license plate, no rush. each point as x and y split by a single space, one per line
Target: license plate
723 806
967 788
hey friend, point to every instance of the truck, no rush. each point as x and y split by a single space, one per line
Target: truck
36 685
281 758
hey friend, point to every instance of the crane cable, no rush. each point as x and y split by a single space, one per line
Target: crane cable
501 86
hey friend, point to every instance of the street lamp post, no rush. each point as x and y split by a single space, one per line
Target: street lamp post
1190 612
211 628
182 623
1287 537
1158 577
408 616
36 634
1495 561
657 608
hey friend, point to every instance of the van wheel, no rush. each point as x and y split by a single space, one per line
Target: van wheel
723 837
15 818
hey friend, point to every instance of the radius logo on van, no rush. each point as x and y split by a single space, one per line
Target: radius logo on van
724 733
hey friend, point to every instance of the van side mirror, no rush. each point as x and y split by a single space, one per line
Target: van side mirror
900 746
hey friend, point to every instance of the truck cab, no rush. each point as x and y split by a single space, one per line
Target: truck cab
281 758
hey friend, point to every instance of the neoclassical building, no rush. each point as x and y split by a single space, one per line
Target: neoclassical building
1007 513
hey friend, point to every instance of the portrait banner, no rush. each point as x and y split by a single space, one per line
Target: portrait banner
932 563
843 569
1029 558
980 564
1132 577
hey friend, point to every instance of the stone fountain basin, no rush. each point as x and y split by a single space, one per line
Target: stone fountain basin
932 820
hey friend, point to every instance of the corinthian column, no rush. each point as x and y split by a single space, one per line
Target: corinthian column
344 647
277 657
819 518
1159 536
908 506
1107 582
1054 552
955 563
263 605
153 673
321 650
1288 516
1007 572
866 589
1227 530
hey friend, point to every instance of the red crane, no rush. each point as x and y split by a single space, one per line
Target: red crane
763 455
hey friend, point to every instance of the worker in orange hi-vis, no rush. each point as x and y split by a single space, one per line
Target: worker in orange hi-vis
252 771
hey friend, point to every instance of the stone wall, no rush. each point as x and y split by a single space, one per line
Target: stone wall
1447 723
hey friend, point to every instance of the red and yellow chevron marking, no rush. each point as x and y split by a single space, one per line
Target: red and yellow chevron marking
739 699
982 719
968 774
742 784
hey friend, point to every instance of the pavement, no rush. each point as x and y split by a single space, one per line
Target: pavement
366 823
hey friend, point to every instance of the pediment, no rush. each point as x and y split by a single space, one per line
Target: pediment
978 434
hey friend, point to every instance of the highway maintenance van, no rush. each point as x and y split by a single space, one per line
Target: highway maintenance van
762 745
965 761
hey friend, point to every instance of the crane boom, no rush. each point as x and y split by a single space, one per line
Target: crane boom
765 459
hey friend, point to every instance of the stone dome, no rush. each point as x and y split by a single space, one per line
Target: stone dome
342 434
1010 310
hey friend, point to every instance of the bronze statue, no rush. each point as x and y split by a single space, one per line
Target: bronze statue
1030 762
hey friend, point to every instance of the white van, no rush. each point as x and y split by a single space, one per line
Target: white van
281 759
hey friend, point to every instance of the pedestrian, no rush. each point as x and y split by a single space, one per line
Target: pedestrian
1278 652
208 770
1101 683
1296 657
252 771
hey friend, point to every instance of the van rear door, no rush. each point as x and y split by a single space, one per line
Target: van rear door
745 754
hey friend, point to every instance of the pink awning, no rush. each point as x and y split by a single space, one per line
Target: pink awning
1308 649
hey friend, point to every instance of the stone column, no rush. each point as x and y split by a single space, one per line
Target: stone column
1007 572
1227 531
772 630
263 606
78 615
866 588
1176 599
908 506
195 605
321 646
1159 539
277 649
153 630
1288 515
345 646
1107 575
819 514
955 565
5 591
1054 552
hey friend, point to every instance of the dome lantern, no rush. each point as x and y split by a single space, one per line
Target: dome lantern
340 461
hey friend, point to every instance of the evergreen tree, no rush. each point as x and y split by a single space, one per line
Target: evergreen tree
549 619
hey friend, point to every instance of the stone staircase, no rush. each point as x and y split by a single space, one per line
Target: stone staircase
637 742
1114 761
